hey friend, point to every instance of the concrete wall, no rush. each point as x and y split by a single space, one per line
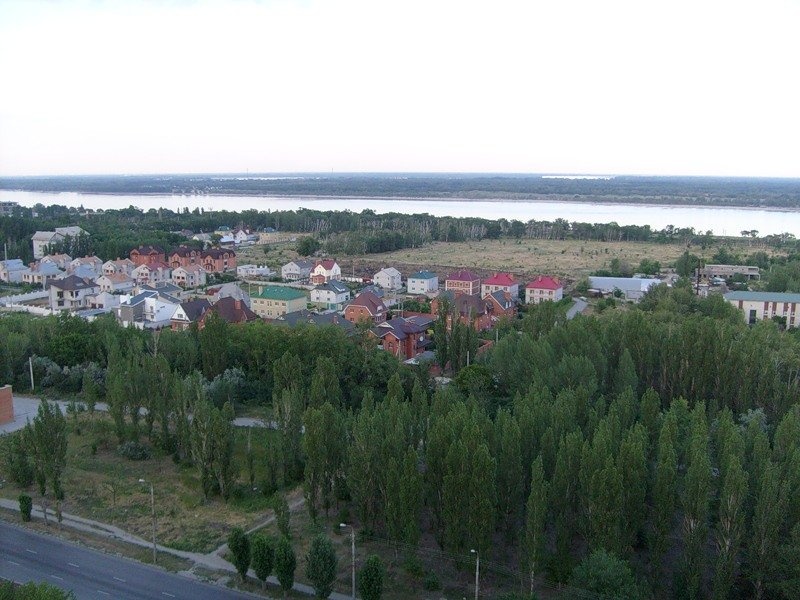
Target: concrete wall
6 405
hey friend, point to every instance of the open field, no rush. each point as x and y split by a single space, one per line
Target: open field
569 259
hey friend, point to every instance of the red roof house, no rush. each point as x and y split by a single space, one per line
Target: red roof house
500 282
543 288
366 307
463 282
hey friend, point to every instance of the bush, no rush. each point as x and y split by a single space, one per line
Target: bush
25 507
239 545
134 451
321 565
370 578
431 582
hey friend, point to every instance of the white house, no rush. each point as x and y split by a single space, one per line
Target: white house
253 271
42 240
62 261
151 273
124 265
331 295
500 282
423 282
38 274
297 269
388 278
118 282
191 276
86 264
631 288
71 293
11 270
324 270
543 288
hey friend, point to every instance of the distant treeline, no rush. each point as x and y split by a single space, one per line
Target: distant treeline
113 233
714 191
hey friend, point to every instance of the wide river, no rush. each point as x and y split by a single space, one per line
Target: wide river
722 221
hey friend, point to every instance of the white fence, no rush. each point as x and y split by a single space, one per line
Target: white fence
21 298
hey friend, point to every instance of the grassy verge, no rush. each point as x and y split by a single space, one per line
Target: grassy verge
103 486
102 543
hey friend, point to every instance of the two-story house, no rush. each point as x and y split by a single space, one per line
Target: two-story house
190 276
86 264
218 260
230 310
144 255
121 265
188 312
366 307
423 282
463 282
388 278
117 282
404 337
151 273
543 288
41 273
11 270
324 270
71 293
500 282
183 256
273 301
330 296
297 270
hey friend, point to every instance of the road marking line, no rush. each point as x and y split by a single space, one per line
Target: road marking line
73 565
57 577
168 594
31 551
118 579
16 564
102 592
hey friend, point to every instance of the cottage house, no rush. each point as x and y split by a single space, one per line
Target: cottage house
543 288
230 310
144 255
325 270
404 337
297 270
366 307
388 278
11 270
423 282
71 293
190 276
218 260
500 282
463 282
330 296
188 313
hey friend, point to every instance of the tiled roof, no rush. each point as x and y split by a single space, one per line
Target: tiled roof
233 310
463 275
195 309
327 263
544 282
504 279
466 304
307 317
217 253
369 301
333 286
148 250
72 283
184 251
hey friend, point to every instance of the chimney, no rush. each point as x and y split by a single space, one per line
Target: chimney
238 304
335 319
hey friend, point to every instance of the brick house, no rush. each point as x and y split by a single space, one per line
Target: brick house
188 313
404 337
463 282
183 256
231 310
218 260
543 288
144 255
366 307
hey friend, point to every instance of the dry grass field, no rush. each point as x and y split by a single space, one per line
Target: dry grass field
568 259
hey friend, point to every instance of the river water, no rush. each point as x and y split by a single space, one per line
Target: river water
721 221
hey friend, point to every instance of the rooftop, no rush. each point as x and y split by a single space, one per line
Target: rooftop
423 275
463 275
504 279
276 292
763 296
544 282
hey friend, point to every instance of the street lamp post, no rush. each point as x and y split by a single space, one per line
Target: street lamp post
477 571
353 554
153 512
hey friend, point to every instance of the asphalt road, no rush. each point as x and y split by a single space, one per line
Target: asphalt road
29 556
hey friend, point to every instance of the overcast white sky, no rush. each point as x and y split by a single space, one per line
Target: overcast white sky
562 86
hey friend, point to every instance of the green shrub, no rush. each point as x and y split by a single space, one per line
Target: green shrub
25 507
134 451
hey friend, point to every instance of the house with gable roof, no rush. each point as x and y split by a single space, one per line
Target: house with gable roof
500 282
144 255
229 309
190 276
71 293
404 337
272 301
330 296
324 270
151 273
218 260
11 270
388 278
365 307
188 312
543 288
117 282
297 269
123 265
183 256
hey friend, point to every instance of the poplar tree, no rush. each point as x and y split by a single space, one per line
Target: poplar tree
263 556
664 496
695 502
564 495
321 565
765 529
285 565
535 521
324 449
632 466
325 384
510 480
404 501
730 526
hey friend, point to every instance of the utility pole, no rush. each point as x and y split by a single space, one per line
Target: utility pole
477 571
30 364
153 512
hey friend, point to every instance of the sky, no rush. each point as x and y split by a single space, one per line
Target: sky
702 87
